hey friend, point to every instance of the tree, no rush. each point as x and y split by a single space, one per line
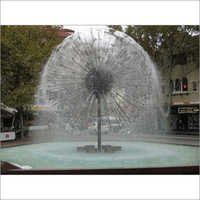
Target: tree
24 50
164 41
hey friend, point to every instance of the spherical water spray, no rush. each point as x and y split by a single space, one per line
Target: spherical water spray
100 73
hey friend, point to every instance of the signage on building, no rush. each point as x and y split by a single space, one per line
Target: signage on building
183 110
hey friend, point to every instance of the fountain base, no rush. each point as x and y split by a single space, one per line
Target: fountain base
93 149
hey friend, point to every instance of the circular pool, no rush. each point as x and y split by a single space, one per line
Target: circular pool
63 155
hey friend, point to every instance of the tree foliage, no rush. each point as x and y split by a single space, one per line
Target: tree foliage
161 41
24 50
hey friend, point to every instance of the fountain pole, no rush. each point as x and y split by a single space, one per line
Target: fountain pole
99 122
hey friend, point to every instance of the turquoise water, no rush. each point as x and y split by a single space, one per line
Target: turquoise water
63 155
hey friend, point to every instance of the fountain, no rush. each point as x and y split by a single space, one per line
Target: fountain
98 73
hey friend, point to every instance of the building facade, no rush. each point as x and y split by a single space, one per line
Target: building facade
180 87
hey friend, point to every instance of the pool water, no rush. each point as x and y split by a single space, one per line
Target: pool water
63 155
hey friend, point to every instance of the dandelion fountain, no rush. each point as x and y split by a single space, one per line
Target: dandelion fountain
99 73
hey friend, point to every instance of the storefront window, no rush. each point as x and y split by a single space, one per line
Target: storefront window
178 85
193 122
185 84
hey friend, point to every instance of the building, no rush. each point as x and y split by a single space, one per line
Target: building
180 87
